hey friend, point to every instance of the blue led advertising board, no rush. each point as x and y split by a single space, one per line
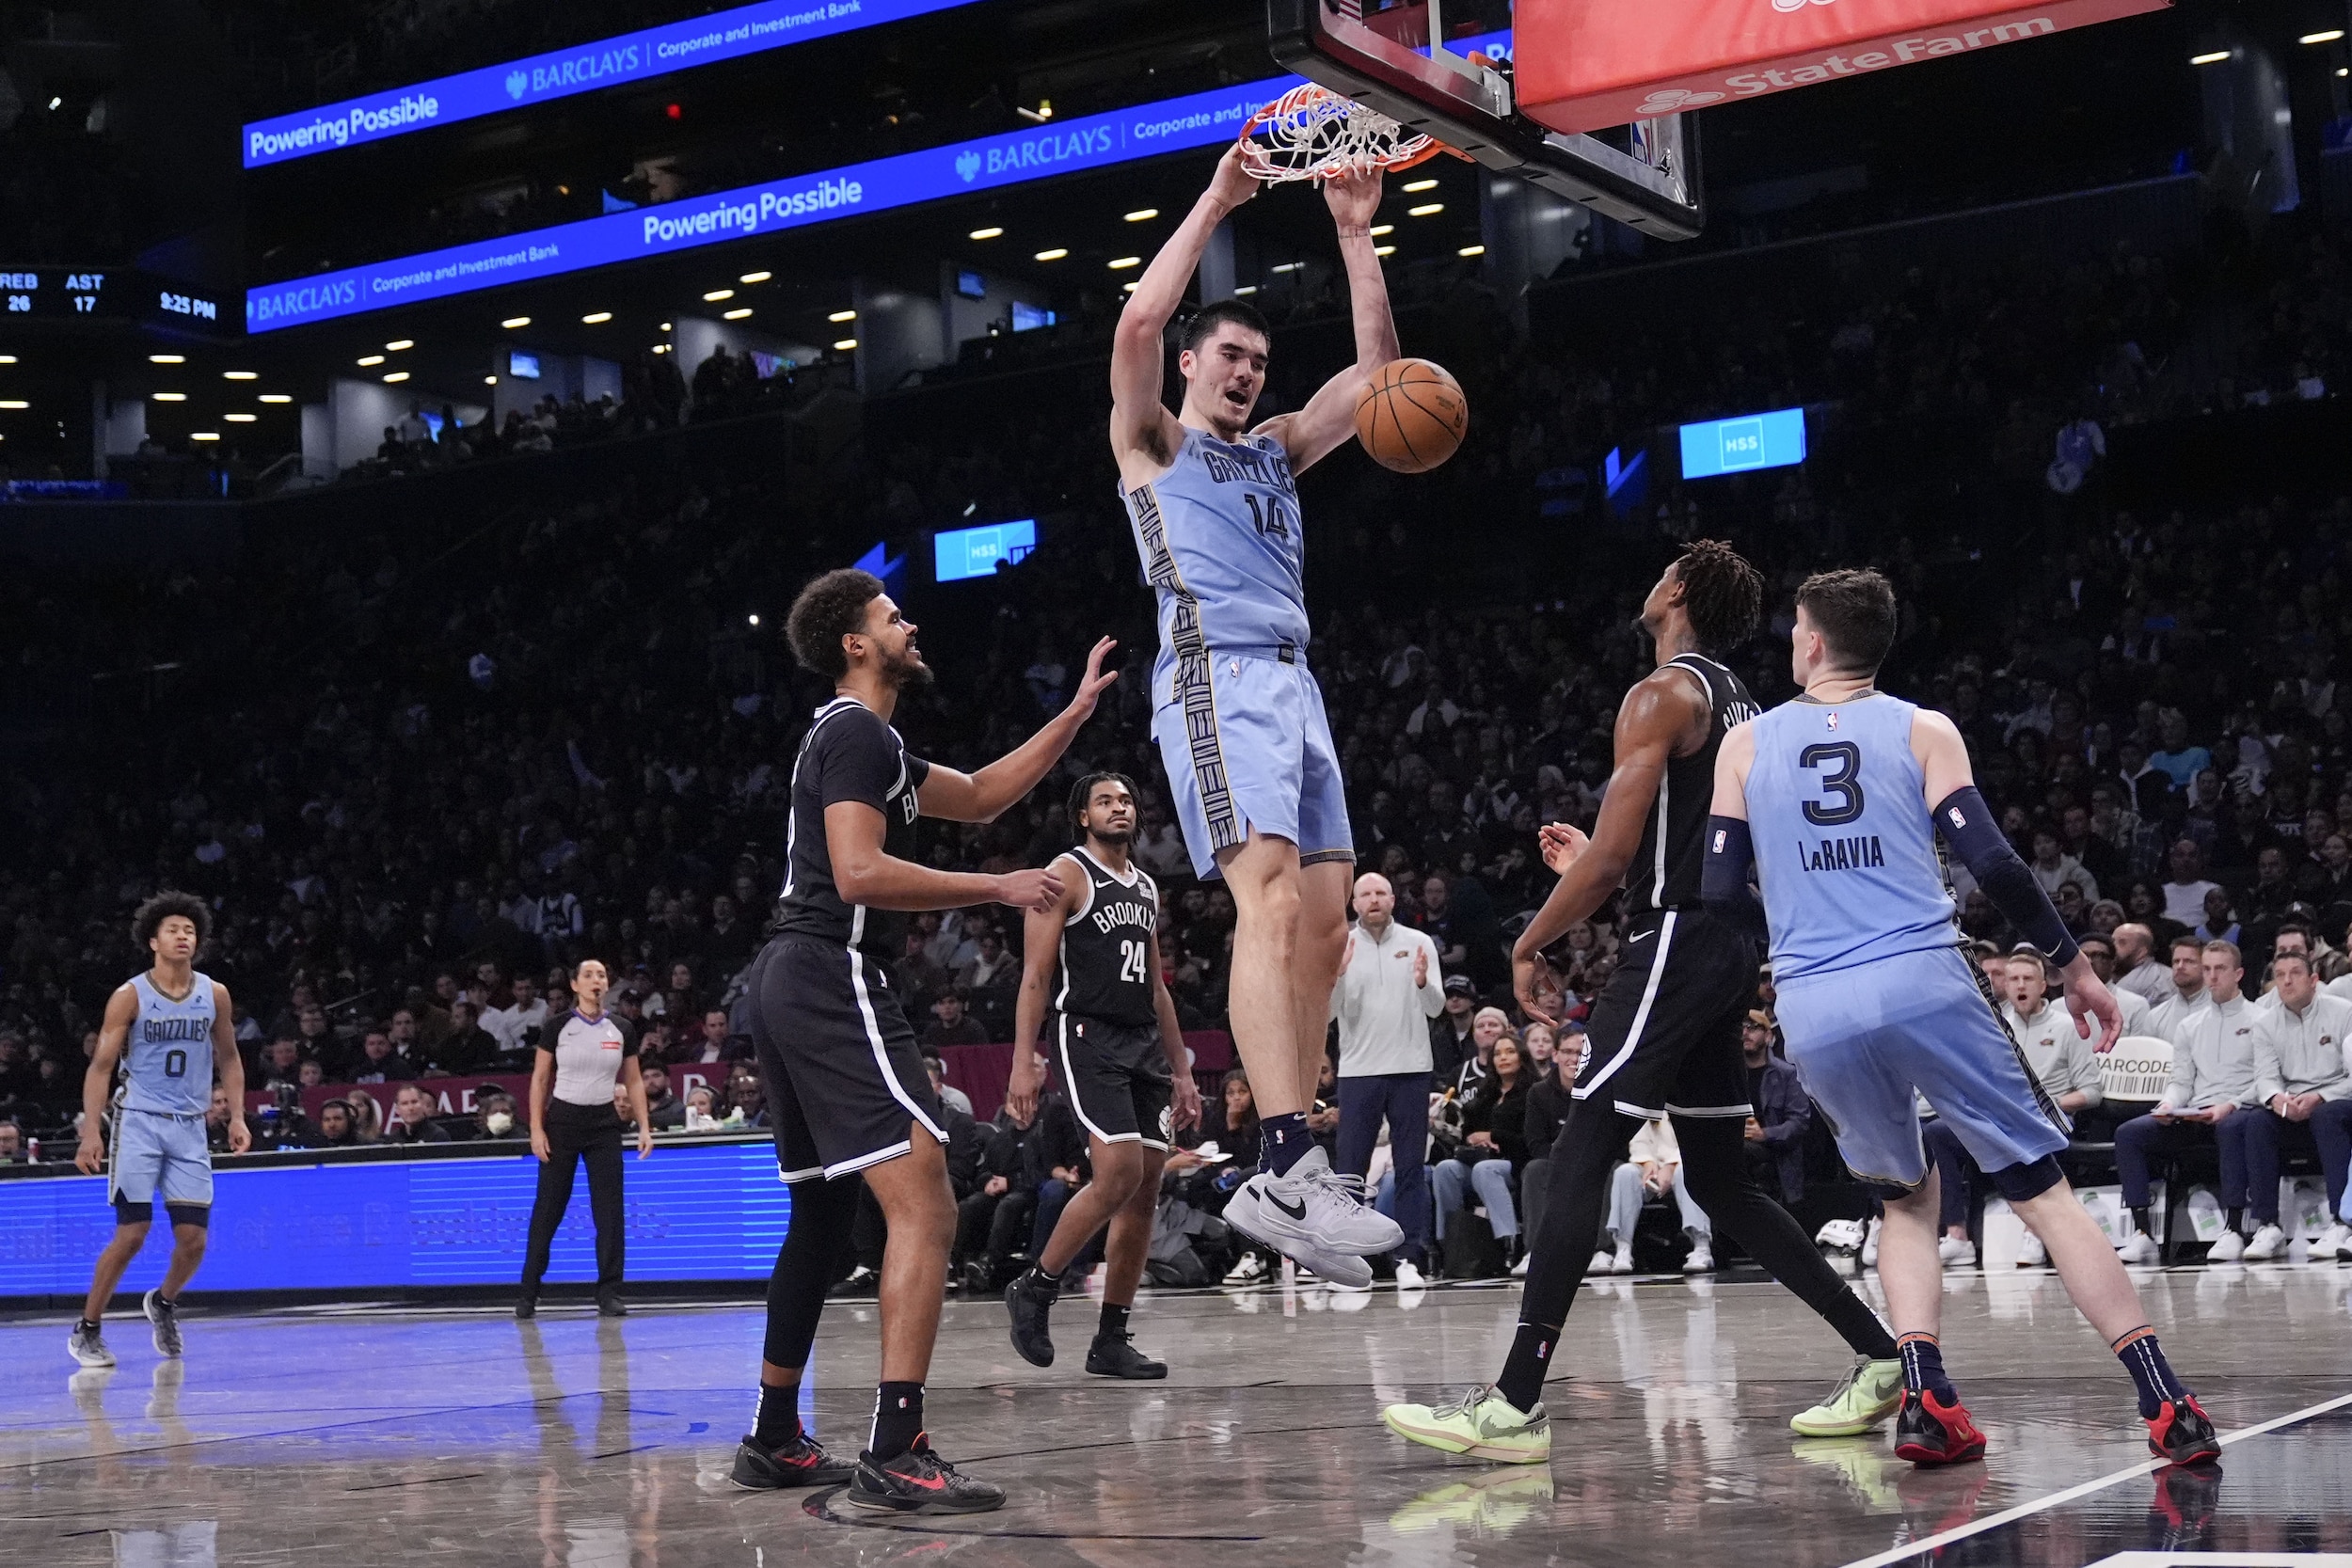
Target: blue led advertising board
1714 447
974 552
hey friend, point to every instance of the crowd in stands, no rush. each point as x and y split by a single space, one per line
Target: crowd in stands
419 784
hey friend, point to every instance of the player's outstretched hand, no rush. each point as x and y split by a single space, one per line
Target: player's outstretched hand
1353 196
2089 999
1232 183
90 1155
1561 843
1029 890
1097 678
1184 1107
1535 986
240 1135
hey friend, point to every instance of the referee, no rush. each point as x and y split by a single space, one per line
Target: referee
581 1055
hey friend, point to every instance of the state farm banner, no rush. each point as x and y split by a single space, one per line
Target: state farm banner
1583 65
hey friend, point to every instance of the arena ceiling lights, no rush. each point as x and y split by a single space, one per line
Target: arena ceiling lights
990 234
840 316
1142 214
595 318
512 323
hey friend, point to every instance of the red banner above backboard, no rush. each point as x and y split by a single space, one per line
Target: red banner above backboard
1581 65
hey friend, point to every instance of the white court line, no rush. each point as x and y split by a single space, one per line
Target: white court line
1994 1521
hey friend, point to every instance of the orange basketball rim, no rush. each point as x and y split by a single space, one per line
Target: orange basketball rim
1583 65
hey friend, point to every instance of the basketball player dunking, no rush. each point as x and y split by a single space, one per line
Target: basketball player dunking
1665 1032
1115 1034
1251 766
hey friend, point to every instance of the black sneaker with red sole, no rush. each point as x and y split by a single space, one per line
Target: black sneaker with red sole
2183 1434
802 1461
918 1481
1929 1431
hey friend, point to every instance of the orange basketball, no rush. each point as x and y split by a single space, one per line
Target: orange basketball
1412 415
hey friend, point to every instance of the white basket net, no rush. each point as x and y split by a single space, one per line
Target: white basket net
1311 132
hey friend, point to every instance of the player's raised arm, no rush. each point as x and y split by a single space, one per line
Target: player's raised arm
122 1009
1968 824
1657 714
1040 947
230 1064
1142 428
984 795
1329 419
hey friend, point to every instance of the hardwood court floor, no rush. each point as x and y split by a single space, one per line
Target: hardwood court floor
359 1435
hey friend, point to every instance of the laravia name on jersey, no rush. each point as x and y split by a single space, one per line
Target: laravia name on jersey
1841 854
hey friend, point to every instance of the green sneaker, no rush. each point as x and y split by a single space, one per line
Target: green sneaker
1866 1397
1481 1424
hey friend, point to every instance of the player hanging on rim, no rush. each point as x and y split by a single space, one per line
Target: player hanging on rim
171 1031
1665 1031
1251 766
1122 1059
1836 797
845 1080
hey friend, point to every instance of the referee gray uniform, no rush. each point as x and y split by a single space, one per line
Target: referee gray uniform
581 1125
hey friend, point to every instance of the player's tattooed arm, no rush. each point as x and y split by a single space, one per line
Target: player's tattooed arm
1041 945
228 1062
122 1009
1144 435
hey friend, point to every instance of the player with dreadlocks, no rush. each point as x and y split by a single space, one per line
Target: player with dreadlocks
1665 1031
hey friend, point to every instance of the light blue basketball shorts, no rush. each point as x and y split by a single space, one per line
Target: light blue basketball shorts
1865 1037
1245 742
157 1155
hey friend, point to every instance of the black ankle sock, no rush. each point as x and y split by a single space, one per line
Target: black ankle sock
2144 1359
778 1420
1283 1141
1923 1367
2236 1219
2139 1219
1522 1379
1038 1281
1113 1324
87 1325
898 1420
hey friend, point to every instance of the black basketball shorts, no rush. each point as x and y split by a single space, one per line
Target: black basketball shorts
1117 1080
1663 1038
844 1077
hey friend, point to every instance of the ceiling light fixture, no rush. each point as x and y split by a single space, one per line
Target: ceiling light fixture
2212 57
166 359
1246 289
844 345
1286 267
397 376
1123 263
1384 250
986 234
1413 185
274 397
513 321
7 358
399 343
1053 255
1471 250
367 360
842 316
737 315
15 403
170 397
489 381
2329 37
204 434
1143 214
716 295
241 418
1426 209
755 278
241 375
595 318
1380 229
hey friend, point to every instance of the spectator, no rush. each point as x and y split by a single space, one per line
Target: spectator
2213 1051
376 1064
2303 1093
709 1041
11 1144
1780 1112
951 1024
1652 1167
2186 890
2187 987
412 1119
1388 996
494 1115
1487 1026
516 1027
950 1096
467 1049
334 1129
1450 1043
2136 969
2053 867
2101 952
665 1111
1493 1147
746 1097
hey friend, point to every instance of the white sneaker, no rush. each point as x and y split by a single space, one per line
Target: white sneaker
1249 1271
2333 1243
2228 1249
1701 1260
1409 1278
2138 1247
1519 1270
1623 1262
1870 1244
2032 1254
1603 1262
2269 1242
1951 1249
1314 1209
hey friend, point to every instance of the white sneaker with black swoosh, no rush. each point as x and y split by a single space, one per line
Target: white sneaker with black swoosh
1315 1216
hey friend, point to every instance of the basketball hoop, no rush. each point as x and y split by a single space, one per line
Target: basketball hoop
1311 132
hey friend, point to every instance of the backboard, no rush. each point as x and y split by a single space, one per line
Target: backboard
1650 183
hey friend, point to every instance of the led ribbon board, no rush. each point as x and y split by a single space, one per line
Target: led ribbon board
1773 440
974 552
562 72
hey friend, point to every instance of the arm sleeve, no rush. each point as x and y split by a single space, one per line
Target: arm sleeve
1724 880
1969 827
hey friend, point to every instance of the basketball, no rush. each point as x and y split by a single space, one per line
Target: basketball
1412 415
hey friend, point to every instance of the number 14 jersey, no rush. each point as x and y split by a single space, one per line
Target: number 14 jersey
1106 947
1845 846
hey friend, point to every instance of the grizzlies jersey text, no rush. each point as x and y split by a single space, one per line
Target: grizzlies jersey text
1107 949
168 1056
1844 846
1221 546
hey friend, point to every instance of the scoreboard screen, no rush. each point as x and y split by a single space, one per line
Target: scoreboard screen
97 293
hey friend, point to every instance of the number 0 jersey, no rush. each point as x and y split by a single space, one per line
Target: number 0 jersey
1222 548
1845 847
168 1058
1106 947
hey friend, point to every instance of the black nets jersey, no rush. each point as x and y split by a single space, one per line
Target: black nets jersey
1666 872
1106 947
848 754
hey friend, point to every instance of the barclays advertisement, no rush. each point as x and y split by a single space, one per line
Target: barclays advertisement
710 1211
560 73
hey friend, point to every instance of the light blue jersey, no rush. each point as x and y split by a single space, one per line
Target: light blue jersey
168 1058
1845 847
1222 547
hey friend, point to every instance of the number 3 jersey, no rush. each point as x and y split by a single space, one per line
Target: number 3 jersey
1106 948
1222 548
168 1058
1845 847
